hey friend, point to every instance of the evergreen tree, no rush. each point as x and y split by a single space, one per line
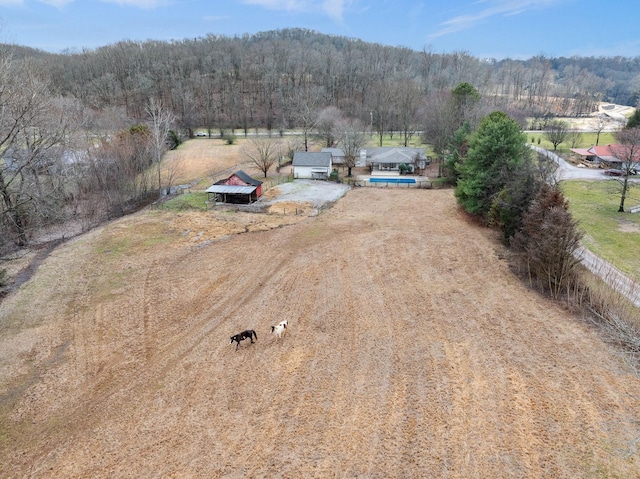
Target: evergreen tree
511 204
457 151
497 150
634 120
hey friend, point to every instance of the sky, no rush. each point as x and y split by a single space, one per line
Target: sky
517 29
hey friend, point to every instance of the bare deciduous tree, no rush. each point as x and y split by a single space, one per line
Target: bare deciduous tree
305 112
600 126
408 102
119 170
33 129
628 152
262 152
353 138
328 118
161 120
556 132
575 137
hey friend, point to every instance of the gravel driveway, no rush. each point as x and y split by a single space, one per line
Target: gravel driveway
318 193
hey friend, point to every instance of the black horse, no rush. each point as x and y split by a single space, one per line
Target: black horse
248 334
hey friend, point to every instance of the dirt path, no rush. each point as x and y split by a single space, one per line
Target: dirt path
412 352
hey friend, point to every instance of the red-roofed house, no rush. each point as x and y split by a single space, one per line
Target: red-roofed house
609 156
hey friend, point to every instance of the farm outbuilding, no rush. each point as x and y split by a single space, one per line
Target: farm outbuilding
312 165
337 155
237 188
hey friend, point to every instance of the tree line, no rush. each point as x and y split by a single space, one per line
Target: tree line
82 133
266 80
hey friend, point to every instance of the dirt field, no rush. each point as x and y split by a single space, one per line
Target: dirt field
412 352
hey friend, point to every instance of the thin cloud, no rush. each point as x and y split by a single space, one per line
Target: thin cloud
139 3
53 3
57 3
63 3
286 5
504 8
332 8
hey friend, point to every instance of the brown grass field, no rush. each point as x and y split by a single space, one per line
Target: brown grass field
412 351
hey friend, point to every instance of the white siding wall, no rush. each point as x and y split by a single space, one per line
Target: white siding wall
306 172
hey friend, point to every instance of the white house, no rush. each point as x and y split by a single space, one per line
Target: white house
387 160
312 165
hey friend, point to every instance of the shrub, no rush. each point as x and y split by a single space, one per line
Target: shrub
173 140
547 242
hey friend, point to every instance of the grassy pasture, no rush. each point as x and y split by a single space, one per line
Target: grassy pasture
613 236
588 140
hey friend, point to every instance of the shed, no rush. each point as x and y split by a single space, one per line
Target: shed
337 155
312 165
237 188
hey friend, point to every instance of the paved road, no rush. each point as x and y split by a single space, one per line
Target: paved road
615 278
611 275
567 171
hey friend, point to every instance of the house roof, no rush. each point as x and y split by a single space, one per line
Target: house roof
583 151
333 151
309 158
395 155
610 153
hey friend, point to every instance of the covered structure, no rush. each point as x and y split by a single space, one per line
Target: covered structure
239 188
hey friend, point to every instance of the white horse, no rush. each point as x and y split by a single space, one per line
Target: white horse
280 328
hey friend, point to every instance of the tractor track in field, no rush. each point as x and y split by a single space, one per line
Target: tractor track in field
412 351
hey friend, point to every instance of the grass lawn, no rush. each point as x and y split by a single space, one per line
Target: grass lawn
187 201
613 236
588 140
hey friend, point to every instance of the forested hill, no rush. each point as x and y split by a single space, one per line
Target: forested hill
60 107
258 80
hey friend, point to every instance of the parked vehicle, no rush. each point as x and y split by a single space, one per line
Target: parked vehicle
614 172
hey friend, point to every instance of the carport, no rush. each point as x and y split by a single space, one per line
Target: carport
232 193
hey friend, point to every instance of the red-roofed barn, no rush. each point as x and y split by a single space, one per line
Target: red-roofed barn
238 188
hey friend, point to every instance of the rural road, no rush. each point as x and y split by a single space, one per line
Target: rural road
567 171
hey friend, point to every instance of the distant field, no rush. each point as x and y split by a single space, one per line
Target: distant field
588 140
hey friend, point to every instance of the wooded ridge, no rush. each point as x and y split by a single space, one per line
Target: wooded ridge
258 80
82 134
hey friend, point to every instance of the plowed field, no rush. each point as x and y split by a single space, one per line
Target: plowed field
412 352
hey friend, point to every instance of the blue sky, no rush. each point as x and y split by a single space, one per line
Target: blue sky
483 28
